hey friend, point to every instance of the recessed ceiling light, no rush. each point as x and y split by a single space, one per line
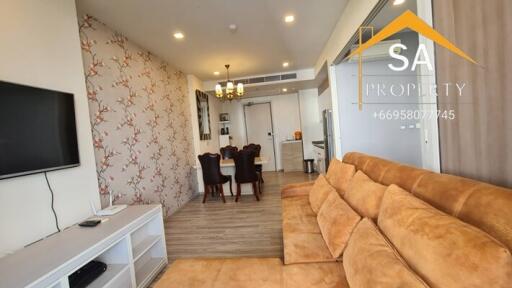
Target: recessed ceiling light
286 64
289 18
179 35
285 90
216 73
398 2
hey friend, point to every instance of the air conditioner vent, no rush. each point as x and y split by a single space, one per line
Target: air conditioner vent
270 78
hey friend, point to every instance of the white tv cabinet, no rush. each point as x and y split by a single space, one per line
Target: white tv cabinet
131 243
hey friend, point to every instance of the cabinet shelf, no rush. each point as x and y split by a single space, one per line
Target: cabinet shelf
145 272
110 277
144 246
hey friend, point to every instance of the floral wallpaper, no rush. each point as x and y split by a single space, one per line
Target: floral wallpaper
140 122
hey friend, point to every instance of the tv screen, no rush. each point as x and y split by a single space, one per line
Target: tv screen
37 130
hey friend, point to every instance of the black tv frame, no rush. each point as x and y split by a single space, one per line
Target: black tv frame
56 168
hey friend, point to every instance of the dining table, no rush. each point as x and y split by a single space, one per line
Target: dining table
227 166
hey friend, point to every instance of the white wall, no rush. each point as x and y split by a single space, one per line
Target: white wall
360 130
311 120
203 146
285 118
40 47
353 16
324 101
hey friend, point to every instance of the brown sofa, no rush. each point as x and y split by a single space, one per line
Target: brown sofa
432 230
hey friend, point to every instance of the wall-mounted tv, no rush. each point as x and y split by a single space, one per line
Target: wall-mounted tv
37 130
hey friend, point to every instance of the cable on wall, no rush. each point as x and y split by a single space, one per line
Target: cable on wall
53 208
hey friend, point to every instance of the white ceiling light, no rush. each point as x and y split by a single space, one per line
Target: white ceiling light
285 90
286 64
398 2
233 28
289 18
216 73
179 35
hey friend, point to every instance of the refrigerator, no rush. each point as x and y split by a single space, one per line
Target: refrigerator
328 136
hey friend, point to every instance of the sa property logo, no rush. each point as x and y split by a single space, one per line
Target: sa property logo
407 20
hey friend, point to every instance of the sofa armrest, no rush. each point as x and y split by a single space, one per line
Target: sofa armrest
296 189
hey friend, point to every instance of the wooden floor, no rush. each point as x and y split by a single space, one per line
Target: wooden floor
246 228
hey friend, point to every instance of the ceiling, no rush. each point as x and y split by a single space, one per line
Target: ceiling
389 12
261 43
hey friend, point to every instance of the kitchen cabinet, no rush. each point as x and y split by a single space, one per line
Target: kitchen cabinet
292 155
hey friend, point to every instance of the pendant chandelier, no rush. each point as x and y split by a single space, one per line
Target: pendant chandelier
229 93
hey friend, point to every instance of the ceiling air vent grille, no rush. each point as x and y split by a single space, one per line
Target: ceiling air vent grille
271 78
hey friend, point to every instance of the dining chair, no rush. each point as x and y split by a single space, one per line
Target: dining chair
245 172
228 151
257 149
212 176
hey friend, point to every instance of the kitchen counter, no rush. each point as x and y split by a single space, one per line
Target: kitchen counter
292 155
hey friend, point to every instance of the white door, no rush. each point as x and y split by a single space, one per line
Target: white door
258 124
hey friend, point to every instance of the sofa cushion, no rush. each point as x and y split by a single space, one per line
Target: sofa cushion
190 273
223 273
297 185
404 176
339 174
336 220
300 189
371 261
443 250
319 193
364 195
489 208
250 273
317 275
302 224
305 248
296 206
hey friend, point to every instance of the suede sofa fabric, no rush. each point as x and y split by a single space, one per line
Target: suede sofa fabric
371 261
300 224
443 250
364 195
319 192
485 206
337 221
376 167
339 175
314 275
223 273
251 273
302 238
302 247
297 185
490 208
296 206
299 190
